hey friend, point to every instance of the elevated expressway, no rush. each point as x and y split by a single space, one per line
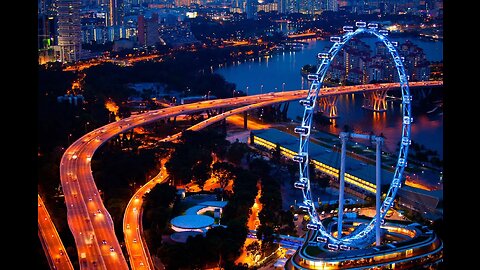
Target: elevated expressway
57 257
88 219
132 225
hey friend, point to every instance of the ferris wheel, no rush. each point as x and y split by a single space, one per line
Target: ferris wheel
362 236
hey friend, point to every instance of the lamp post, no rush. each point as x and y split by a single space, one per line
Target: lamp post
247 91
261 89
283 87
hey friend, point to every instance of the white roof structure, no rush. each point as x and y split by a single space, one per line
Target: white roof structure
192 222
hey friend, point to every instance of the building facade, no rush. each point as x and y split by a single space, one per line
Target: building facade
251 9
69 30
148 30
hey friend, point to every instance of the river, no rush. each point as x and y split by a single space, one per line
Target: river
281 72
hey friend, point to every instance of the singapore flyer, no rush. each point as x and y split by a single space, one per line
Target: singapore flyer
363 235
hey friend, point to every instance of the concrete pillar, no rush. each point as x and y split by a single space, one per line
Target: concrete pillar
328 105
375 100
245 119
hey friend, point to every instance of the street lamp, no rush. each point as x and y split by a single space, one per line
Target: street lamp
283 87
87 123
233 93
247 91
261 89
208 95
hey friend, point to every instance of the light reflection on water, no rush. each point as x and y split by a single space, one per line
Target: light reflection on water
285 68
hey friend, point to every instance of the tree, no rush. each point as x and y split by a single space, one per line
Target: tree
265 233
201 172
260 167
223 171
236 152
253 248
192 156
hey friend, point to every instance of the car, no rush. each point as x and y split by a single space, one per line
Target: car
135 240
128 226
112 249
104 241
90 199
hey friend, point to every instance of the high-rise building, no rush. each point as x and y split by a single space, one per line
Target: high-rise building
251 9
148 30
282 6
330 5
115 12
69 30
46 25
267 7
183 3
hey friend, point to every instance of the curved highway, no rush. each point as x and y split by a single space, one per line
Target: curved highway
89 221
132 225
57 257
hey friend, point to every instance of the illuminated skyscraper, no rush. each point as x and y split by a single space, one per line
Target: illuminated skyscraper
148 30
251 9
182 3
282 6
331 5
115 12
69 30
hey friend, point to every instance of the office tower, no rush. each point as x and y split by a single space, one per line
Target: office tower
69 30
115 12
331 5
148 30
282 6
251 9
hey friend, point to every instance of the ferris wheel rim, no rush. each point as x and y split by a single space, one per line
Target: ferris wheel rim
360 237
